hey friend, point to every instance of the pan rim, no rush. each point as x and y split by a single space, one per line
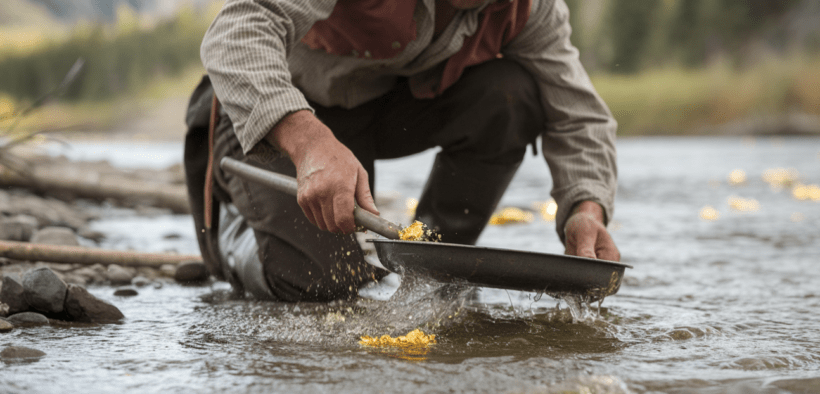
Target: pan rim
504 250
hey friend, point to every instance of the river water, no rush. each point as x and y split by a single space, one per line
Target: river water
721 300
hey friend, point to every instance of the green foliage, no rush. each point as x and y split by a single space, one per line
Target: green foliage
630 24
636 35
116 62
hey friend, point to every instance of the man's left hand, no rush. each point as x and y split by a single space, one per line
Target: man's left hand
586 235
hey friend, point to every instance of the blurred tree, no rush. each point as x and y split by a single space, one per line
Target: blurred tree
629 28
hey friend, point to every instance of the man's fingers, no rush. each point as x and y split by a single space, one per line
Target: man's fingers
363 195
343 212
606 249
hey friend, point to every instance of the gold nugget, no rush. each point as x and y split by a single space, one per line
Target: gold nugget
413 339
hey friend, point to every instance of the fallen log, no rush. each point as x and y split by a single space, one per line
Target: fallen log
94 181
25 251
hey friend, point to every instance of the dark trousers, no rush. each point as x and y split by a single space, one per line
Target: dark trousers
483 125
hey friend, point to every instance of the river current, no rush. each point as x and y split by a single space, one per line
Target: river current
723 297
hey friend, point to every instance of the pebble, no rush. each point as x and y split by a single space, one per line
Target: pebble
90 274
43 290
84 307
12 295
19 352
125 292
28 319
191 272
18 228
168 270
140 281
118 275
5 326
55 236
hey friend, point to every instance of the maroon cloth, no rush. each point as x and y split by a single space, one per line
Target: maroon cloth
379 29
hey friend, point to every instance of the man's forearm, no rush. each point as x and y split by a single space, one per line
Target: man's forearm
296 132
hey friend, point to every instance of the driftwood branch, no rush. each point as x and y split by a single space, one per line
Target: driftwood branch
86 256
56 176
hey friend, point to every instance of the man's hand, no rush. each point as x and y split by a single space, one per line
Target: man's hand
586 235
330 177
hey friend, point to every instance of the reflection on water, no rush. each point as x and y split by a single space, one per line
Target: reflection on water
722 305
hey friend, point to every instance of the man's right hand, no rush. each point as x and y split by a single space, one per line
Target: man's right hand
330 177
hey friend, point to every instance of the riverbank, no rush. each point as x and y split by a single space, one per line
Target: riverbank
775 98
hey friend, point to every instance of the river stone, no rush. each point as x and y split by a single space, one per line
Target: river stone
12 295
4 309
55 236
28 319
5 326
125 292
19 352
84 307
118 275
140 281
89 274
168 270
18 228
191 272
44 291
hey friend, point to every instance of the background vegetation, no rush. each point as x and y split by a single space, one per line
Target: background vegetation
663 66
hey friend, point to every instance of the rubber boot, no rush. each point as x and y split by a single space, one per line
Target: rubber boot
461 195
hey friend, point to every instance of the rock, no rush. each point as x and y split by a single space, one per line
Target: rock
168 270
148 272
12 295
5 326
18 228
140 281
44 291
191 272
4 309
125 292
28 319
55 236
84 307
71 278
93 235
118 275
89 274
58 267
19 352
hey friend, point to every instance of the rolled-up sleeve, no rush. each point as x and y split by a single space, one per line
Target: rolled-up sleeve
579 137
245 54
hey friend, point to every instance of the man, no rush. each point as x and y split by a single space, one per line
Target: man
320 89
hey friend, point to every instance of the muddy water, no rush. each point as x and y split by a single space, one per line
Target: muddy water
724 305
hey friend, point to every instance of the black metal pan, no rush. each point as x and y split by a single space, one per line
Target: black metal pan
481 266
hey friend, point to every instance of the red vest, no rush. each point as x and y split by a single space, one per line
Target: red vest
379 29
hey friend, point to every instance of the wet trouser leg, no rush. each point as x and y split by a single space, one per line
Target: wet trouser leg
483 124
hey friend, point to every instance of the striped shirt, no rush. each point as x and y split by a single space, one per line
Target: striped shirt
261 72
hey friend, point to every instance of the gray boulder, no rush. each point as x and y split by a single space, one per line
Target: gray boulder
28 319
19 352
84 307
191 272
44 291
55 236
18 227
12 295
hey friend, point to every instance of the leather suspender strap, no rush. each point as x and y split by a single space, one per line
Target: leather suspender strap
209 172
